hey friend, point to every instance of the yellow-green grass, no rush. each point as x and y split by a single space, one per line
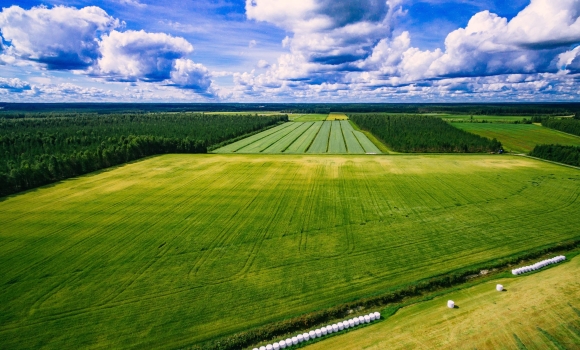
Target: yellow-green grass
520 138
307 117
539 311
334 137
337 116
487 118
179 249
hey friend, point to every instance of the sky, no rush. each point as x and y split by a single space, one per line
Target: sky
290 51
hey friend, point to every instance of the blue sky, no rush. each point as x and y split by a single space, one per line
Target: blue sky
290 51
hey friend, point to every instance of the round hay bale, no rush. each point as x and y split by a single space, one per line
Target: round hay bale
372 316
351 323
276 346
377 315
294 341
288 342
282 344
340 326
318 333
329 329
450 304
262 348
361 320
324 331
367 319
312 334
334 328
300 338
499 288
269 347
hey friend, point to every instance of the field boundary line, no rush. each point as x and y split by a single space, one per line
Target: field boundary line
314 138
547 161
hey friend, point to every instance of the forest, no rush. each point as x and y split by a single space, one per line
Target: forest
567 125
423 134
39 151
557 153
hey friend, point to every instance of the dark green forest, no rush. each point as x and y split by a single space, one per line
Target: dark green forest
568 125
39 151
557 153
423 134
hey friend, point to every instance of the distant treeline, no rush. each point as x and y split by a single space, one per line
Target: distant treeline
557 153
19 110
423 134
35 152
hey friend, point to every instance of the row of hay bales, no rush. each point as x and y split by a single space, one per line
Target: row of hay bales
337 327
538 265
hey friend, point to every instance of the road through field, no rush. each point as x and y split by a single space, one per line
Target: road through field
539 311
176 250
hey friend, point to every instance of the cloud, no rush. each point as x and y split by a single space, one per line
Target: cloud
138 55
14 85
252 44
134 3
263 64
193 76
60 38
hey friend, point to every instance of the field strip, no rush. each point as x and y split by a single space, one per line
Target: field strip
367 144
267 141
336 142
233 147
352 144
282 144
320 143
302 144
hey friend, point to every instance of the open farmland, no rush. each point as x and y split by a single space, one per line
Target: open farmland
308 117
337 116
539 311
334 137
520 137
176 250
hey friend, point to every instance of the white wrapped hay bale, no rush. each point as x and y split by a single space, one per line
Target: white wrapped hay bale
312 334
329 329
300 338
288 342
269 347
334 328
276 346
361 320
450 304
324 331
306 336
372 316
346 324
377 315
367 319
355 321
294 341
282 344
262 348
318 333
340 326
499 288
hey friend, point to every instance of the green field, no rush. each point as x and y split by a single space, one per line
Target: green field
307 117
539 311
333 137
179 249
521 138
480 118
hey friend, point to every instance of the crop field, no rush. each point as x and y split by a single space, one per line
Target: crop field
540 311
176 250
334 137
337 116
480 118
308 117
520 137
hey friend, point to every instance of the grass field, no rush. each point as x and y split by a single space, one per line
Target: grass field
521 138
539 311
333 137
307 117
337 116
487 118
178 249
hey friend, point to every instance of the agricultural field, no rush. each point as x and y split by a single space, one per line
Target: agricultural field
520 138
456 118
328 137
539 311
337 116
176 250
307 117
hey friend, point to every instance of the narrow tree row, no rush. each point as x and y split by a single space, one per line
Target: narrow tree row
423 134
568 125
35 152
557 153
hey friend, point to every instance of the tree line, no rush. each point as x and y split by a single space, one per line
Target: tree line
423 134
568 125
557 153
39 151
